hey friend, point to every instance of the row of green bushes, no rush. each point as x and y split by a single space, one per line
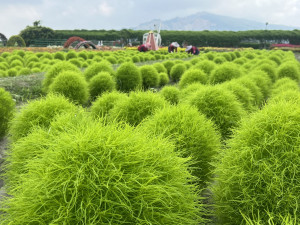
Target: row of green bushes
150 155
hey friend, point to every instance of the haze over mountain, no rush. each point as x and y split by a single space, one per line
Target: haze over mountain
208 21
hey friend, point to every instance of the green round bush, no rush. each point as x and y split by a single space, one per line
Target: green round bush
193 76
220 105
177 71
95 68
111 59
210 56
137 107
219 60
87 173
282 85
7 111
258 172
16 63
225 72
242 93
168 64
55 70
135 59
59 55
83 55
36 70
189 90
170 94
72 85
12 72
262 80
194 136
160 68
255 90
128 77
38 113
24 71
269 70
102 82
149 76
163 79
289 69
104 103
71 55
206 65
286 95
75 62
276 59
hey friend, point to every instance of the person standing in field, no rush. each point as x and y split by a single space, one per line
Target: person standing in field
192 50
173 47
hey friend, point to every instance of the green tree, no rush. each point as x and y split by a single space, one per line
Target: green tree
36 32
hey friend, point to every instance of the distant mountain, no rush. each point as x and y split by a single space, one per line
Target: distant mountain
208 21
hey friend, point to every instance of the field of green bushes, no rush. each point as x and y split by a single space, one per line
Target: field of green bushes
124 137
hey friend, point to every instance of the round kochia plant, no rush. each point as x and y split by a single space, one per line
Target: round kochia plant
7 105
194 136
94 174
38 113
259 172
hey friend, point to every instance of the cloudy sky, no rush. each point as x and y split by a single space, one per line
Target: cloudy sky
15 15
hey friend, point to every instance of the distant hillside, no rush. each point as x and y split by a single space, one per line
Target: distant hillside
207 21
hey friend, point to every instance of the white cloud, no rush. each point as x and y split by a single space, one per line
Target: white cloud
105 9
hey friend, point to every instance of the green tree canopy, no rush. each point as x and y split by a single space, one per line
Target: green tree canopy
36 32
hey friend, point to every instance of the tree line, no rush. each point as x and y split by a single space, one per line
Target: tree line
250 38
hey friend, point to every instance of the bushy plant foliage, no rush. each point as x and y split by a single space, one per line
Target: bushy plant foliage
38 113
262 80
149 76
102 82
284 84
55 70
206 65
128 77
225 72
160 68
16 39
163 79
168 65
137 107
289 69
220 105
269 70
255 90
104 103
12 72
94 69
7 106
72 85
268 182
242 93
71 55
177 71
219 60
24 71
193 76
189 90
181 123
59 55
88 173
170 94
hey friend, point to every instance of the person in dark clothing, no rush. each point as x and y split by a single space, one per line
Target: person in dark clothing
173 47
192 50
143 48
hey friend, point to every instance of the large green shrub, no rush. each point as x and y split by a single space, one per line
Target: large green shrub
137 107
55 70
206 65
220 105
194 136
170 94
163 79
102 82
258 174
59 55
284 84
38 113
128 77
72 85
269 70
189 90
225 72
168 65
289 69
87 173
149 76
104 103
262 80
7 106
193 76
177 71
242 93
94 69
160 68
